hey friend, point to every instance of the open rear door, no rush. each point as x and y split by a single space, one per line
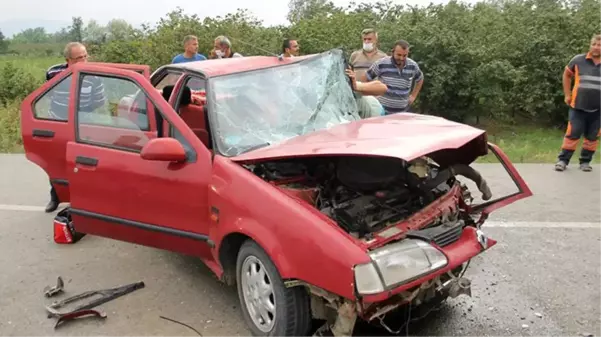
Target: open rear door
46 128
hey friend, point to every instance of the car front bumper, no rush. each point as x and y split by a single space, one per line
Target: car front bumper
471 243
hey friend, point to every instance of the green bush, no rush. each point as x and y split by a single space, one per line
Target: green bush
17 82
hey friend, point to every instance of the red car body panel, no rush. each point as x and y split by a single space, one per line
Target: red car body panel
193 207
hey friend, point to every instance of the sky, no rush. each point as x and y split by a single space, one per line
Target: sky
23 13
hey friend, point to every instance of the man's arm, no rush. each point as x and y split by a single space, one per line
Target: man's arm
373 88
568 73
419 82
372 73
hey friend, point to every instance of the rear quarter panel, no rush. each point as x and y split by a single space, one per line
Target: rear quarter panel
300 243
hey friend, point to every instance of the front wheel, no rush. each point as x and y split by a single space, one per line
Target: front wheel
268 307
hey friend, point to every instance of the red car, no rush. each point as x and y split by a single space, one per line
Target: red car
262 168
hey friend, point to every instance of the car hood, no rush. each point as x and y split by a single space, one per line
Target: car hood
406 136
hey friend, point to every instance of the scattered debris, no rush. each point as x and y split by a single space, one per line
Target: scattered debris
491 308
525 326
58 288
523 318
538 314
586 334
105 296
186 325
78 314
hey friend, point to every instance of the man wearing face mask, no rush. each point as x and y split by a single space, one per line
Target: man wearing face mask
223 48
362 59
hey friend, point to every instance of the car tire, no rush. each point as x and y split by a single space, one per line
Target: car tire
288 308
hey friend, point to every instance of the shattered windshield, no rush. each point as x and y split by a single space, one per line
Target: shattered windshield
263 107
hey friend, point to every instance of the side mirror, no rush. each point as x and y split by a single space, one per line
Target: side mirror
163 149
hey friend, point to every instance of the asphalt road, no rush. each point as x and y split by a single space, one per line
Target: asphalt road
543 278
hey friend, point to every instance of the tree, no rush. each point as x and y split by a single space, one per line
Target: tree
119 29
76 29
94 32
309 9
3 43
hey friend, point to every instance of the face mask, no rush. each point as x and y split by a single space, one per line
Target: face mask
219 53
368 47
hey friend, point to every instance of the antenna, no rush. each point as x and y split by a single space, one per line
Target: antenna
250 44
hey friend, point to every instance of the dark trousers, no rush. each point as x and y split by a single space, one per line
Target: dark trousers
581 123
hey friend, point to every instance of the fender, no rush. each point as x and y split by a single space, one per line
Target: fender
263 237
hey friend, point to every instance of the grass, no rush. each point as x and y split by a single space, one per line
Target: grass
523 144
528 144
37 66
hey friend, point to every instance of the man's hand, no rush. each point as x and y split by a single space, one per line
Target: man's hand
411 99
351 74
567 99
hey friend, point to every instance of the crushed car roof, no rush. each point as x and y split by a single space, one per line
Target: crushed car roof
220 67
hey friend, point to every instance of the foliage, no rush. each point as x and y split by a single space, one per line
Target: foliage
495 59
3 43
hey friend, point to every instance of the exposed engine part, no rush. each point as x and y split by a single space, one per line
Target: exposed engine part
366 194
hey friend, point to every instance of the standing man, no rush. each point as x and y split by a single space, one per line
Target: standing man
584 106
400 74
223 48
362 59
74 52
190 53
290 48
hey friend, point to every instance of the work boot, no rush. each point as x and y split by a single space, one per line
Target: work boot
560 166
586 167
52 206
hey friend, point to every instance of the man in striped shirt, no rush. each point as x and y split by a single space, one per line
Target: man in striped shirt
402 76
91 96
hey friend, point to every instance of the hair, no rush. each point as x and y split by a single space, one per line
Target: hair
189 38
401 43
69 47
368 31
223 41
286 44
596 37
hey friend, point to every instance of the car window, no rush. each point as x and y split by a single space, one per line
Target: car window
112 112
169 79
54 103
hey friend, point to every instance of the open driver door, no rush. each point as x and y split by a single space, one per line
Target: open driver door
46 128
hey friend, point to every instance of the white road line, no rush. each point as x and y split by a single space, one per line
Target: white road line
26 208
540 224
487 224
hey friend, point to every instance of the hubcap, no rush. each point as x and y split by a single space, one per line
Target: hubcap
258 293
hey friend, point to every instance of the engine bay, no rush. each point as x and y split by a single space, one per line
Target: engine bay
362 194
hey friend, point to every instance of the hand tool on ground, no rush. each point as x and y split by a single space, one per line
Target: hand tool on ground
51 291
105 296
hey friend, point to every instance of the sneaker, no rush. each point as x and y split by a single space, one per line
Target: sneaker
586 167
560 166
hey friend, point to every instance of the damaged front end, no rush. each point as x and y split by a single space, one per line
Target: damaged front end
416 220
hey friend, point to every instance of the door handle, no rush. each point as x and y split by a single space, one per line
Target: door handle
43 133
86 161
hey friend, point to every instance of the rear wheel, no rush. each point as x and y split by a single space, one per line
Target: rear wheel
268 307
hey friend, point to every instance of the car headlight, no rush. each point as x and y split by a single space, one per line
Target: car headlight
397 263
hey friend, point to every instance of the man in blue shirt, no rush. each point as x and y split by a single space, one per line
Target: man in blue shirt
402 76
190 53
